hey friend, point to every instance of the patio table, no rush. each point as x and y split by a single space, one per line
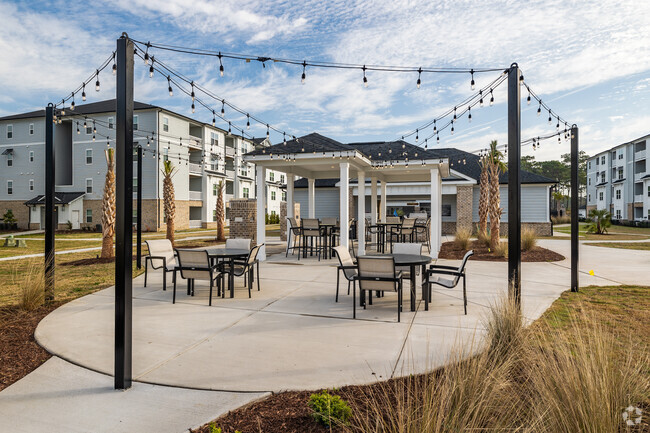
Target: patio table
228 254
411 260
328 239
382 227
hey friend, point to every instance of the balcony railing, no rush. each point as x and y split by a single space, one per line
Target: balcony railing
196 195
195 224
195 168
639 155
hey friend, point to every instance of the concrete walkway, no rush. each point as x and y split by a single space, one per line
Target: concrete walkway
290 335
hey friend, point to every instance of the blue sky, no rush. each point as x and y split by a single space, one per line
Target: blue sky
589 60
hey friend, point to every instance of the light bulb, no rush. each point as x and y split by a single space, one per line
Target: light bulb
193 108
248 122
469 115
480 92
114 69
491 98
419 75
146 57
528 99
365 79
72 104
472 83
97 84
169 87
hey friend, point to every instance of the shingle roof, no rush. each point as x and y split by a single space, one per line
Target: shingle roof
91 108
59 198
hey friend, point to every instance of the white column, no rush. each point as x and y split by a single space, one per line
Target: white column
344 191
290 201
373 205
383 201
260 195
436 211
311 183
361 217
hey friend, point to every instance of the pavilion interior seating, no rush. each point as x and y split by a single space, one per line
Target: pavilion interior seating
408 248
195 265
450 277
244 269
240 244
404 232
161 256
293 236
347 266
423 231
311 234
378 274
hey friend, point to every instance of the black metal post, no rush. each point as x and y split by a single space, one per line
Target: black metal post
514 184
575 188
50 189
124 213
139 212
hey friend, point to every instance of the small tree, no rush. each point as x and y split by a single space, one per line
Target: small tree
599 221
221 214
108 206
169 200
8 217
496 167
484 197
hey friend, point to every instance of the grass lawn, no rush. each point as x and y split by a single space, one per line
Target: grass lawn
643 246
37 246
615 233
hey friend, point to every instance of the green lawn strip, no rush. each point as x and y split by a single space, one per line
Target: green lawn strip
643 246
37 246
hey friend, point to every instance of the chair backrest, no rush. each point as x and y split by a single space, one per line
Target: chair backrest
461 268
420 216
239 244
330 221
345 259
310 223
161 248
393 220
194 264
252 256
407 248
408 223
376 267
291 222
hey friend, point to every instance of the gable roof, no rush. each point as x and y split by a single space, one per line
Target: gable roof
91 108
59 198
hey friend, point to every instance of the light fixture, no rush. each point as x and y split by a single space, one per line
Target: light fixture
63 107
193 107
114 65
248 121
94 128
83 92
469 114
480 92
72 104
267 131
192 94
97 82
549 117
214 118
151 68
472 83
435 128
220 64
539 109
223 107
365 79
528 99
284 138
419 75
304 74
169 86
454 114
417 135
491 98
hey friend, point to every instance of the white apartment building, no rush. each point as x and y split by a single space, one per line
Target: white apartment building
204 155
618 180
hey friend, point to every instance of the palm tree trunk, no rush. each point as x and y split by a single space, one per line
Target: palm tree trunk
495 203
108 207
221 232
483 198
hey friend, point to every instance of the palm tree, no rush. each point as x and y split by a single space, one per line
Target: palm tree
484 197
496 167
169 201
221 214
599 221
108 206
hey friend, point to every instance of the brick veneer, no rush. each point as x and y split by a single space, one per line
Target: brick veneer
20 211
464 200
283 220
243 218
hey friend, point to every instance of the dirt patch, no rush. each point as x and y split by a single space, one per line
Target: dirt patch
19 352
89 261
450 251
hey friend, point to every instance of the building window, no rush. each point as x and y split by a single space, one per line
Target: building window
589 197
10 160
273 195
648 190
245 192
271 176
589 165
284 196
135 122
89 186
111 123
589 181
214 215
602 160
620 155
89 215
31 129
214 139
602 177
135 184
166 154
600 196
597 161
618 194
282 178
618 214
89 156
620 173
31 156
214 189
165 123
31 184
89 129
10 187
10 131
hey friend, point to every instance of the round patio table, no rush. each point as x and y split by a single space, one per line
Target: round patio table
228 254
411 260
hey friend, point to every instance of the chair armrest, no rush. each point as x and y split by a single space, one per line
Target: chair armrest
399 275
443 267
442 272
347 267
393 279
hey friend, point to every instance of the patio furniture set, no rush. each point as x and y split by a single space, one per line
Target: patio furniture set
215 265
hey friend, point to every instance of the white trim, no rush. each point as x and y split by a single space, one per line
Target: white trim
31 184
7 132
12 187
86 157
31 129
92 189
31 156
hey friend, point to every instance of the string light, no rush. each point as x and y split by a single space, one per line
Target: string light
220 65
472 83
192 94
419 76
452 128
146 54
151 68
94 128
267 131
417 135
72 104
214 118
223 107
169 86
539 109
528 99
481 94
304 73
63 107
469 114
365 79
435 128
549 117
248 121
454 114
83 92
491 98
97 82
114 65
284 139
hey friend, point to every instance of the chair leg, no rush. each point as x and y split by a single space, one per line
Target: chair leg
210 301
164 279
338 277
258 276
354 302
146 262
250 281
370 297
174 295
399 301
464 295
288 243
349 287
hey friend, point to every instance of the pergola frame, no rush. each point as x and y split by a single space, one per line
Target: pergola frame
346 164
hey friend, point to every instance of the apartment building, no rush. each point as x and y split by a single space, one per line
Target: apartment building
203 155
618 180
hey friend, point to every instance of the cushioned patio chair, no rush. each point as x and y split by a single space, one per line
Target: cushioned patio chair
311 236
245 268
293 236
195 265
378 274
408 248
161 256
347 266
433 277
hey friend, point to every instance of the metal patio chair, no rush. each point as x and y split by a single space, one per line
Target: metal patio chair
195 265
378 274
161 256
432 277
347 266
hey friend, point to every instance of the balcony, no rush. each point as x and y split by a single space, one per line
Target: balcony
230 173
639 155
195 224
195 168
196 195
230 152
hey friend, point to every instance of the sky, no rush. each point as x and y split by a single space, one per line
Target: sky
588 60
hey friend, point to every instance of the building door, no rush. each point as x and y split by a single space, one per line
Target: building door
75 220
56 216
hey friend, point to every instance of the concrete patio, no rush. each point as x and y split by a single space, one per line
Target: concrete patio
291 335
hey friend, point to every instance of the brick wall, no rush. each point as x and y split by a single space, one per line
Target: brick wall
542 229
283 220
448 227
243 218
464 199
20 211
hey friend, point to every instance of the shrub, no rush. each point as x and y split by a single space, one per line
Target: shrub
501 249
32 286
329 409
528 239
9 218
462 239
564 219
484 238
599 221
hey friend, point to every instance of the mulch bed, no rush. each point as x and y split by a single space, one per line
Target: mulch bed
19 352
450 251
